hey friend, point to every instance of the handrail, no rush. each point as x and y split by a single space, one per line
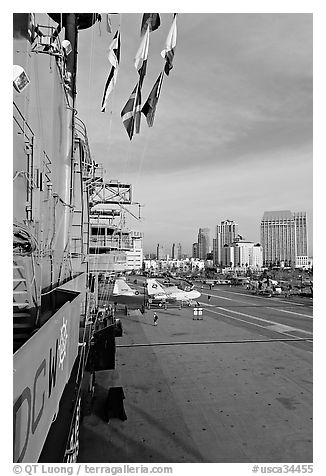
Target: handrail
24 121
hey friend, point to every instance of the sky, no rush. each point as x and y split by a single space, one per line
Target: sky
232 135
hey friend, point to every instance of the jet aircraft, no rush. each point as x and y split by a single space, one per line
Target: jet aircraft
122 293
159 292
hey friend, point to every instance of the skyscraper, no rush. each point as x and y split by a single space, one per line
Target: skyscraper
179 251
159 252
195 250
226 233
301 238
176 251
203 242
284 238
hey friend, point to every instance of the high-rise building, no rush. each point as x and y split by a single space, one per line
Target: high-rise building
214 251
257 256
179 251
203 242
284 238
195 250
226 233
301 239
159 252
176 251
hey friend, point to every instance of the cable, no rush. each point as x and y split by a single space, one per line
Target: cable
142 159
242 341
91 60
24 241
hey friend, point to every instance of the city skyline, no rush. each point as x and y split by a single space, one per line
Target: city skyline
188 246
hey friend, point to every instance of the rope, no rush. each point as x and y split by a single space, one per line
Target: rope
38 101
96 260
50 209
142 159
111 119
56 235
91 60
24 240
83 356
126 162
28 92
24 174
55 195
243 341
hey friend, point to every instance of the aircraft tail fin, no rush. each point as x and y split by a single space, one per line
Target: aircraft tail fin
153 287
121 287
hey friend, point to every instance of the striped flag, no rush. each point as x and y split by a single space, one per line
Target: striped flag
130 114
31 29
141 56
170 44
149 107
108 23
114 58
141 65
152 20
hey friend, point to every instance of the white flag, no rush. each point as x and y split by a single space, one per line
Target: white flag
170 44
142 53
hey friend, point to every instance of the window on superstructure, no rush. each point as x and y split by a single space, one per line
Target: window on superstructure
98 231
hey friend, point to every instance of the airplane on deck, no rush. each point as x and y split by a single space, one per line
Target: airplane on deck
124 294
159 292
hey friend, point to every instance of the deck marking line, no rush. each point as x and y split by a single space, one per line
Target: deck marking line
262 320
289 312
254 296
253 323
242 341
259 297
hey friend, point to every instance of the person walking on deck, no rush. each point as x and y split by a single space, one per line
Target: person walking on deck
155 319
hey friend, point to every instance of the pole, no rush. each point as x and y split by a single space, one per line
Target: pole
144 305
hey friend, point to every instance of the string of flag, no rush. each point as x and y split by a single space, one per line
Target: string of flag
131 112
149 108
114 59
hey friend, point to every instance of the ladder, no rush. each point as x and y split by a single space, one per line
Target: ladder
23 304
